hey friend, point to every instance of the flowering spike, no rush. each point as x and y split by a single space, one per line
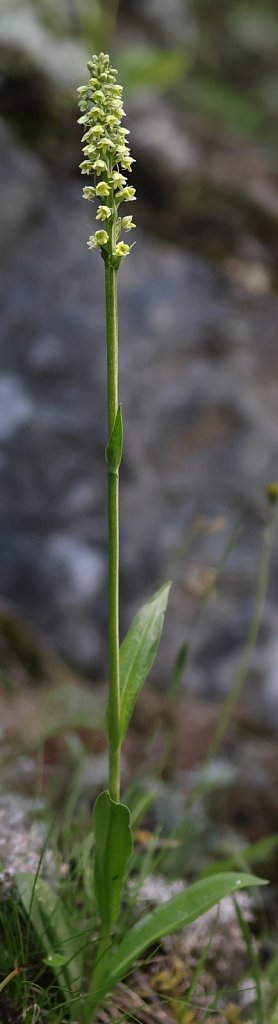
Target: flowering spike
107 154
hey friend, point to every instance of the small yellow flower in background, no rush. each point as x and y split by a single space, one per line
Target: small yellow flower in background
272 492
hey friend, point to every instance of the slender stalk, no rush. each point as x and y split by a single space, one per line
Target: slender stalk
108 159
113 529
107 156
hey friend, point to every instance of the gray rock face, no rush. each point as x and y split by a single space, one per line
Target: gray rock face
197 366
21 842
23 187
178 29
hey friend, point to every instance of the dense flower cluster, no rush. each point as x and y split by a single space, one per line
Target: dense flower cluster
107 156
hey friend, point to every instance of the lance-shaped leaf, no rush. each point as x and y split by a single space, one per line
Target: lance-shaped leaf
114 448
177 912
113 846
56 930
138 651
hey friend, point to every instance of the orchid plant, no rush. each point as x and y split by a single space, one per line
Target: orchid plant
107 162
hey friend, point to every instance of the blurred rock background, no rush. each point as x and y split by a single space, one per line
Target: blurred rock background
198 330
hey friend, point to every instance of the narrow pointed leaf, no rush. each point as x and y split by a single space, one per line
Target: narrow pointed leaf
9 977
178 669
138 651
177 912
113 846
54 928
114 448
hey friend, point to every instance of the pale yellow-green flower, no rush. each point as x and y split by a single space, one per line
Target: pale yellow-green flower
102 189
103 213
117 179
121 249
126 195
97 240
89 192
128 223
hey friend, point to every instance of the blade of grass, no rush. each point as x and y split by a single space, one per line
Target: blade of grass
253 959
200 965
263 576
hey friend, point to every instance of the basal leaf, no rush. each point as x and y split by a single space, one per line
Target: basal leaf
177 912
138 651
113 846
54 928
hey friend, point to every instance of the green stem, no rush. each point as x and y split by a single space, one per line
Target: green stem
94 996
113 532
